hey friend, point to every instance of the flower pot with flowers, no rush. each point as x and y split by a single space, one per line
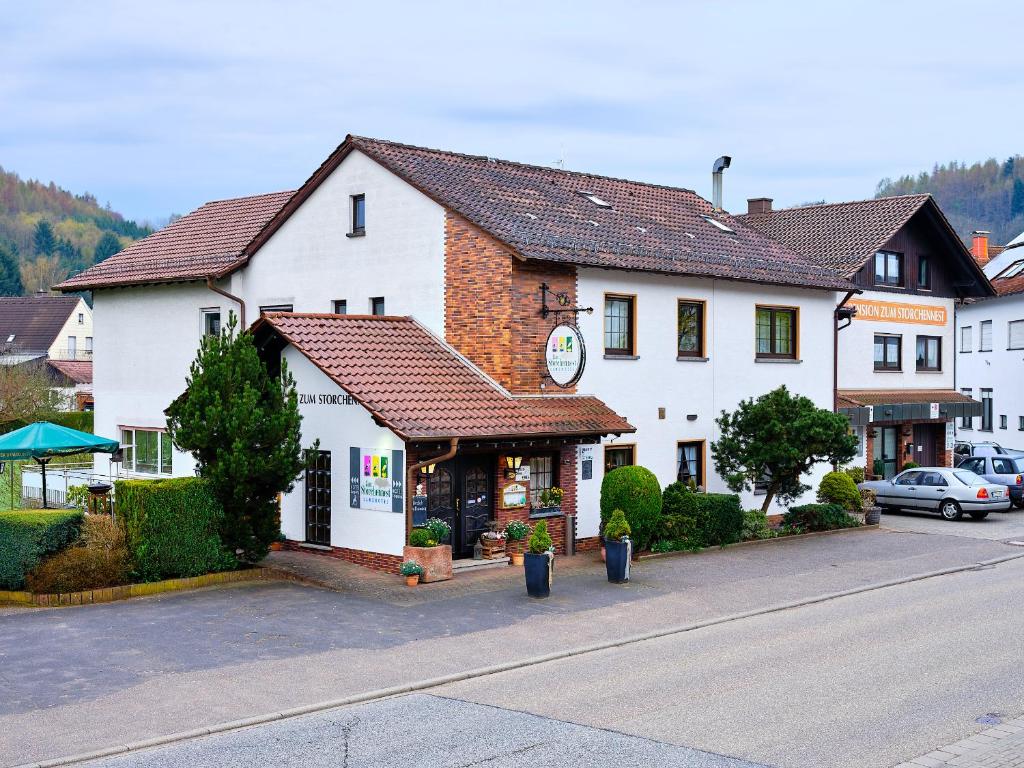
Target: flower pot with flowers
539 562
550 501
493 543
426 546
618 547
412 572
515 534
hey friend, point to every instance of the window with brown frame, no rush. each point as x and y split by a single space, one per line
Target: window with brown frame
690 329
889 269
929 353
543 476
888 352
616 456
776 332
924 273
690 462
619 325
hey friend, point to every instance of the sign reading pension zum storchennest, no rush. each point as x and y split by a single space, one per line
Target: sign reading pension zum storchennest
565 355
376 480
898 312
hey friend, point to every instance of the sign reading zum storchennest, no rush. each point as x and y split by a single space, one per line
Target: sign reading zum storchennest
565 355
898 312
376 480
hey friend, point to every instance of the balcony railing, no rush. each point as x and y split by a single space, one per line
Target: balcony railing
72 354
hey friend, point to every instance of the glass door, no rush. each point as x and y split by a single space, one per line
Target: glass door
886 452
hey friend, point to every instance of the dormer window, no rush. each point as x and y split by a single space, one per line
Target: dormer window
358 216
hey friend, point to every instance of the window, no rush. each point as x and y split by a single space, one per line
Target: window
776 332
975 465
72 346
909 478
1002 422
690 462
924 273
986 410
934 479
147 451
1003 466
985 336
966 342
690 326
81 318
340 307
211 322
929 353
88 345
377 305
543 476
616 456
1015 334
888 352
966 422
1011 271
761 484
264 309
889 269
619 322
1020 423
358 215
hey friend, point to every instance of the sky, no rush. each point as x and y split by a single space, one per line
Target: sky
157 107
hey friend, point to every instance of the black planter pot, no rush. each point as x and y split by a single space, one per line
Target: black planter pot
617 560
872 515
538 574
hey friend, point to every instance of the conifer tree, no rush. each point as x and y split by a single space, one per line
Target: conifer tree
106 247
10 275
44 240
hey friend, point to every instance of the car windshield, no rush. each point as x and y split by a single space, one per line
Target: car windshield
968 478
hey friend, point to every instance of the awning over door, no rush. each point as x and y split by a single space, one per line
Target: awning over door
867 406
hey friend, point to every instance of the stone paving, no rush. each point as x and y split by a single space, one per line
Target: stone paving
1001 746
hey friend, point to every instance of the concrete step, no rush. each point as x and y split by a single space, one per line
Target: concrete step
464 566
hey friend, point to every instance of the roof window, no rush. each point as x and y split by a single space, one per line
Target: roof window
599 202
716 223
1011 271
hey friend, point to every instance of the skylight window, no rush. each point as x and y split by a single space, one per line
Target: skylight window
599 202
716 223
10 338
1012 271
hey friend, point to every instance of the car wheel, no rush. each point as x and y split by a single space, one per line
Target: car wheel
1018 504
950 510
980 515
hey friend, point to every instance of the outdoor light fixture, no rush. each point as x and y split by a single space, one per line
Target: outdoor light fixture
513 463
429 469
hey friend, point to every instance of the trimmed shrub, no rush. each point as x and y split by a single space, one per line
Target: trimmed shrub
755 526
540 541
818 517
26 537
839 488
636 492
171 527
910 465
617 526
700 519
98 559
421 537
856 474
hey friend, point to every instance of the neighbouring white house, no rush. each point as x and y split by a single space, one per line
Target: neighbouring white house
990 348
478 329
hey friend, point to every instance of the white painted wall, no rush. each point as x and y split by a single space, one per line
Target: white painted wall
80 331
637 388
310 262
339 427
857 348
1001 370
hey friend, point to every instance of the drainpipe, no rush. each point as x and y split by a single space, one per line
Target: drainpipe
231 297
839 313
410 481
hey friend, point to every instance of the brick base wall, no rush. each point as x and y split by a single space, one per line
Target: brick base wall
376 561
588 544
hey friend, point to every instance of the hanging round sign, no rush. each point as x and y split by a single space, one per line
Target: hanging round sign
565 355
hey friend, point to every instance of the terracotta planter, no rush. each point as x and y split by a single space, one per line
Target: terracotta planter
276 546
412 581
517 558
436 561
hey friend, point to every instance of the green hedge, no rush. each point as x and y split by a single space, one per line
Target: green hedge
28 536
697 520
171 527
636 492
83 421
818 517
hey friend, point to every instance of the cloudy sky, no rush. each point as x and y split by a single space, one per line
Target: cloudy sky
158 107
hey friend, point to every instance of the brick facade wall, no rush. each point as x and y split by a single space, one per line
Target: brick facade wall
943 458
376 561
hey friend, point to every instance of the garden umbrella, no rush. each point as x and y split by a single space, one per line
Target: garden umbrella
42 441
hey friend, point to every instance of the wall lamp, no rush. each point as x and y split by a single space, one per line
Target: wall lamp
513 463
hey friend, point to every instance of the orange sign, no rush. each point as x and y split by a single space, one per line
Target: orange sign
893 312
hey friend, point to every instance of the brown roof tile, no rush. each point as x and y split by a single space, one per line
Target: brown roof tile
208 241
79 371
34 321
857 397
418 387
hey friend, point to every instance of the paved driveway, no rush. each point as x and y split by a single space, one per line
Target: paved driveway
998 526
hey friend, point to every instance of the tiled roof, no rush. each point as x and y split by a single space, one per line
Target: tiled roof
79 371
851 398
1009 286
418 387
34 321
208 241
544 214
842 236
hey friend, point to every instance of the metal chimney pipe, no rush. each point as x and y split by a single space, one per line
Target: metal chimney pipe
716 180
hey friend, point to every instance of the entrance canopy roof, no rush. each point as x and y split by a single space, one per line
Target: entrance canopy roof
864 406
420 388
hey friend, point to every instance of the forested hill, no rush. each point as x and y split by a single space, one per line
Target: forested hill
988 195
47 233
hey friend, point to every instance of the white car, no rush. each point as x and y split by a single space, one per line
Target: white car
950 492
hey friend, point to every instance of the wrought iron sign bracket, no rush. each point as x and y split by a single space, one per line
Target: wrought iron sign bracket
562 300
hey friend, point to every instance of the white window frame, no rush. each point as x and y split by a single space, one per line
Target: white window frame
1009 334
203 314
983 326
968 332
128 444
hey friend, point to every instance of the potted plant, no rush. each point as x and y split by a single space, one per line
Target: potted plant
412 572
278 543
539 562
426 547
516 532
618 547
493 543
550 502
872 512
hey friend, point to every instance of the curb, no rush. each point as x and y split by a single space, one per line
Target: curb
759 542
421 685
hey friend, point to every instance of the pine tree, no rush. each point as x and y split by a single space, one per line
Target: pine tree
106 247
1008 167
242 426
1017 198
44 240
10 275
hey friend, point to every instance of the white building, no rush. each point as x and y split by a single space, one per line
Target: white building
683 309
990 348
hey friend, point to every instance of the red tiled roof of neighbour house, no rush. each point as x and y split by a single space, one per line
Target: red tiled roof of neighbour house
207 242
849 398
843 236
417 386
78 371
33 321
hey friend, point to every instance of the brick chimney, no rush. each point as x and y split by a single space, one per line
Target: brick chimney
979 246
757 205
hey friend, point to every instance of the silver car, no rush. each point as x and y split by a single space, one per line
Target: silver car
1003 470
950 492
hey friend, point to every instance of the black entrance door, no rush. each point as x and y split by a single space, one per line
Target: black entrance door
460 492
318 499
